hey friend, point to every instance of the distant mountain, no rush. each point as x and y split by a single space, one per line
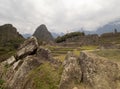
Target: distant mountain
10 40
9 35
42 34
55 35
26 35
110 27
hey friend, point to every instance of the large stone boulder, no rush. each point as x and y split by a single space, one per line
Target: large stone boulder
71 73
44 52
16 70
27 48
10 60
18 81
99 72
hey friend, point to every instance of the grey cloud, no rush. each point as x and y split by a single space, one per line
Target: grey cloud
58 15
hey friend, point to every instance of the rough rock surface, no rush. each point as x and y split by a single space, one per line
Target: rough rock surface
94 72
20 76
44 52
72 72
11 60
42 34
15 71
27 48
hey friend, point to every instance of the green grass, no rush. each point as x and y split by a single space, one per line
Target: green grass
6 53
112 54
46 77
60 57
76 52
89 47
59 52
8 48
115 40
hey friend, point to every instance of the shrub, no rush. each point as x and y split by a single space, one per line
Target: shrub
68 35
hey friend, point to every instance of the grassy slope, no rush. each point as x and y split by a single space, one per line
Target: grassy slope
60 52
9 48
112 54
6 52
46 77
114 40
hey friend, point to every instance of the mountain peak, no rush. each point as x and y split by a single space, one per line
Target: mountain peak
43 34
8 25
42 25
9 32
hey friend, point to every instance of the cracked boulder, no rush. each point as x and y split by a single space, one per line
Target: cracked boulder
27 48
71 73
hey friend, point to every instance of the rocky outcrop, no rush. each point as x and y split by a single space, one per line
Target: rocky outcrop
71 73
93 72
20 76
44 52
99 73
27 48
11 60
15 70
42 34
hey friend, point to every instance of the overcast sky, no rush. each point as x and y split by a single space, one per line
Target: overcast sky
58 15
